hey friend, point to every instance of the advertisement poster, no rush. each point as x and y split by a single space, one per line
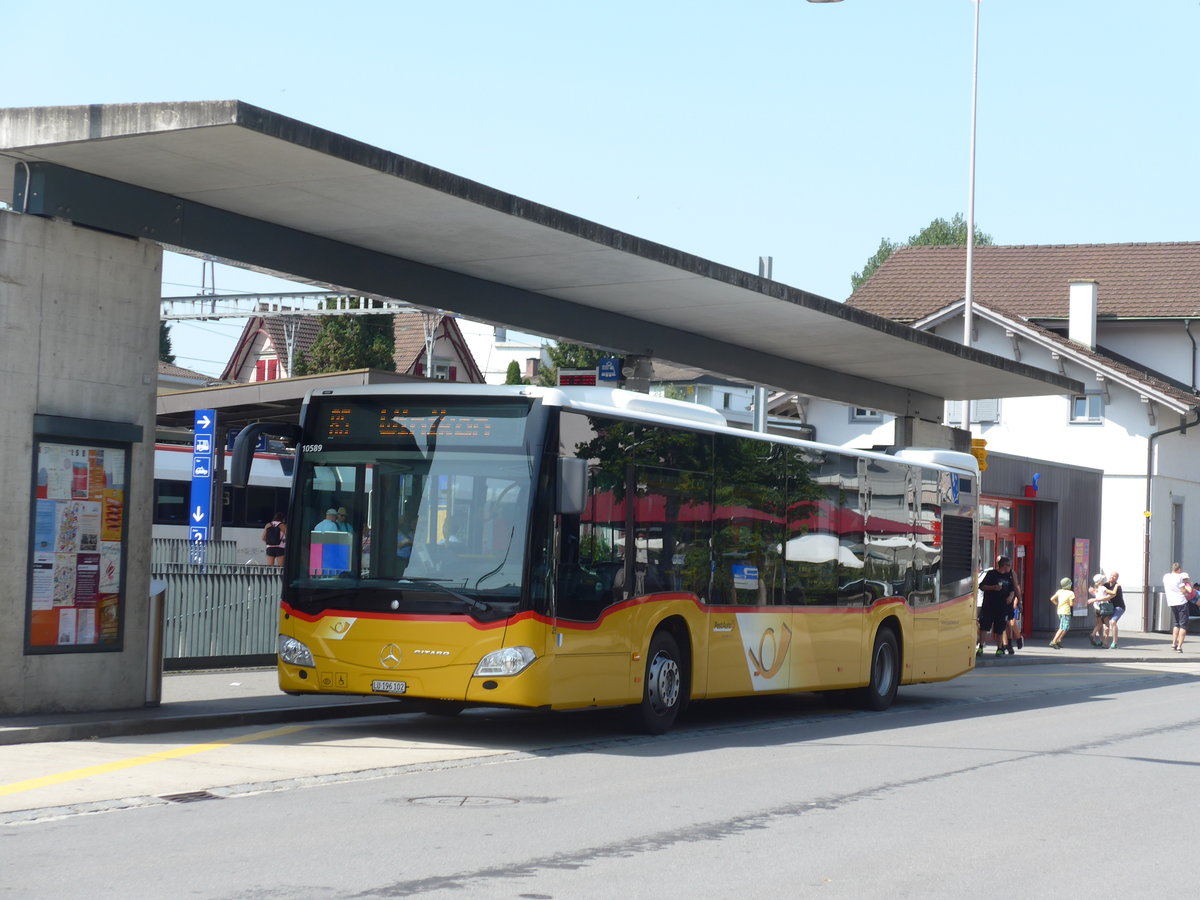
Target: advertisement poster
1081 559
76 581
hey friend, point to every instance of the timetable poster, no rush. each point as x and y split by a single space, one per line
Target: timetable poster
76 580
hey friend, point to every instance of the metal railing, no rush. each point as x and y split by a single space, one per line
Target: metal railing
181 550
216 612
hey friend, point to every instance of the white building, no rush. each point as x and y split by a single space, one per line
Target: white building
1119 319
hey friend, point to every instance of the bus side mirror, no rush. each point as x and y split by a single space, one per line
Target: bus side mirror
572 486
245 442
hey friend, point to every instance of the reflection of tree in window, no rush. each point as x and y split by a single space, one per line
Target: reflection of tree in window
748 520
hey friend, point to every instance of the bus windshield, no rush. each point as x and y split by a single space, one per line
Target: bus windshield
421 502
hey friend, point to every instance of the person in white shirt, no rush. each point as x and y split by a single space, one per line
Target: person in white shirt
1176 586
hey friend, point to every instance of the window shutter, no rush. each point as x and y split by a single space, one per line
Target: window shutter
986 411
419 369
953 412
454 373
260 370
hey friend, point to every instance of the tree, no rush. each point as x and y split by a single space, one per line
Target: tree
567 356
350 342
164 343
939 233
513 375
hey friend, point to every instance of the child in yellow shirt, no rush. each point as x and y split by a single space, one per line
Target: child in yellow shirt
1063 599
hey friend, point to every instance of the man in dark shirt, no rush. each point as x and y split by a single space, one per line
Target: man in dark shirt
998 590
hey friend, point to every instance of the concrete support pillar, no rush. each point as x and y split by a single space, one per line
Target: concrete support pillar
78 344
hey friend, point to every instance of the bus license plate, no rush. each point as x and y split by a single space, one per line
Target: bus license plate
389 687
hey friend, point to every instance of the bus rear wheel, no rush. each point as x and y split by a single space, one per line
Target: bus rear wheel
662 690
885 672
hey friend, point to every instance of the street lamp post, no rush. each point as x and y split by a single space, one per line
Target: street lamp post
968 297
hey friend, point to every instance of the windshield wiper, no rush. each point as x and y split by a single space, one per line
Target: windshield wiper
437 585
486 575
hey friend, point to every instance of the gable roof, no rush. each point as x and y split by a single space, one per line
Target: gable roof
274 329
1146 382
408 331
173 371
1136 280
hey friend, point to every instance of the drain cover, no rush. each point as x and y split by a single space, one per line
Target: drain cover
189 797
463 801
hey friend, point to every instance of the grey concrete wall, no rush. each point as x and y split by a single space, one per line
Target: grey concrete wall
79 338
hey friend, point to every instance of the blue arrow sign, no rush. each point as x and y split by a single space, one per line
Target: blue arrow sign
204 428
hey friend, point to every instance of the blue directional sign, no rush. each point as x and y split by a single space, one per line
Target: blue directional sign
200 508
608 369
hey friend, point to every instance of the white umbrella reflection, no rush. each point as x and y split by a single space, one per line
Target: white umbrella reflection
820 548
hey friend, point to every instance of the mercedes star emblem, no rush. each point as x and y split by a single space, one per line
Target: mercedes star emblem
389 656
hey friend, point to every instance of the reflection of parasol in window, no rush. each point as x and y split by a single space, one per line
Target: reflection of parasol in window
820 548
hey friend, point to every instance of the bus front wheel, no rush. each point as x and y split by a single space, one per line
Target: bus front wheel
885 672
662 691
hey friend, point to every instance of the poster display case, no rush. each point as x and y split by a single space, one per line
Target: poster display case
76 584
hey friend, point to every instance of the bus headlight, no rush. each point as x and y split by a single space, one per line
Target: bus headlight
509 661
295 653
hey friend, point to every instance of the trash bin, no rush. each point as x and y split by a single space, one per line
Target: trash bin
1163 619
154 645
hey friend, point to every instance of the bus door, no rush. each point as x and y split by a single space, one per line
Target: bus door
896 559
748 620
590 644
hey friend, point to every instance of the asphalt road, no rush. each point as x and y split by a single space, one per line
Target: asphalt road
1039 763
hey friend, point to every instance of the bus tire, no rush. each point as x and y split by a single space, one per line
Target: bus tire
885 672
662 688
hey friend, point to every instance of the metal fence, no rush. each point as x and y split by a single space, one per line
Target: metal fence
181 550
216 612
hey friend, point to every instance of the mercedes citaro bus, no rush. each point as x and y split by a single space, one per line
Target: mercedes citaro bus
588 547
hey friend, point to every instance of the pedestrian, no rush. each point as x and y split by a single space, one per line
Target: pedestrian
1014 618
998 592
330 522
275 537
1176 586
1118 602
1063 600
1100 597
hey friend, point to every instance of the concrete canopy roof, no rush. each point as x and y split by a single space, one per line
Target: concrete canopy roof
278 195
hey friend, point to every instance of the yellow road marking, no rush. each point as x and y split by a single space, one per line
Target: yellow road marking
47 780
1029 674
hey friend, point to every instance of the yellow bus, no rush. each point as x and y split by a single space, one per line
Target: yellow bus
455 545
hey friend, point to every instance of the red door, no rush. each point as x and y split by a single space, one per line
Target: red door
1006 529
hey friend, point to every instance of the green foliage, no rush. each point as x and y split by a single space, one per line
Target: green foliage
567 356
350 342
594 547
939 233
513 375
886 248
164 343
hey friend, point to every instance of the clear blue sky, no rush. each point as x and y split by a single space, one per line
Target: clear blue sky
778 127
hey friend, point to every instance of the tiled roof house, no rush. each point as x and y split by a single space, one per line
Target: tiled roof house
269 343
1121 319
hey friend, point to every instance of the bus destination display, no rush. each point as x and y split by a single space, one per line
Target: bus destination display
381 421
